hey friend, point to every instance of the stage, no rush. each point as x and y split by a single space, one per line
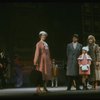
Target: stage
59 92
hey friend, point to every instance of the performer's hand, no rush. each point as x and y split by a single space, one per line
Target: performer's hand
35 66
80 65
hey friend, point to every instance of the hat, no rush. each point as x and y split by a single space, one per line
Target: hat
43 33
75 35
85 48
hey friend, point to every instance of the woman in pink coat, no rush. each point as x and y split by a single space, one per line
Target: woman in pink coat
42 59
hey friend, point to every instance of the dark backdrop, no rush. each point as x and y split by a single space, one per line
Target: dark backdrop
20 24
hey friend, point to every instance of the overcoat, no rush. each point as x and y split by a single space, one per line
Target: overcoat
93 52
42 58
72 55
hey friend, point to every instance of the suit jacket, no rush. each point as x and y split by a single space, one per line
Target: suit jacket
72 62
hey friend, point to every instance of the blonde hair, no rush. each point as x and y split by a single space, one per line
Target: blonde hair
92 37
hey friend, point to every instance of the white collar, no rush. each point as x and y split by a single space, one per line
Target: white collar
74 42
45 44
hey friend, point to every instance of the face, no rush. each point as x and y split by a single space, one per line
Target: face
75 39
83 51
43 37
90 41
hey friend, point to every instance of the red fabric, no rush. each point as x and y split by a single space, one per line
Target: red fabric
84 62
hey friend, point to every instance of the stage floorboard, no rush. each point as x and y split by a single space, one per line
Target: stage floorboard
59 92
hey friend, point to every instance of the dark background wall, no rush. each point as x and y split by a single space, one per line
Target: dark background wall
20 24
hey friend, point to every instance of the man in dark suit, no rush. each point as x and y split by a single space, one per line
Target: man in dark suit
73 52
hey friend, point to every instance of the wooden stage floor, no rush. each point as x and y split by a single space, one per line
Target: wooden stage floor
59 92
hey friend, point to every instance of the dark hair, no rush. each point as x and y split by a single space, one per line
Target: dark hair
76 35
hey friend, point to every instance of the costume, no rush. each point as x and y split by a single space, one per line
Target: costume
73 52
42 57
84 61
97 70
54 74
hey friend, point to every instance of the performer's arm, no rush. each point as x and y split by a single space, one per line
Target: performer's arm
36 57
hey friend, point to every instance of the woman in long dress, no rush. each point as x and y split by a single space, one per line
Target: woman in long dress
97 70
42 59
93 51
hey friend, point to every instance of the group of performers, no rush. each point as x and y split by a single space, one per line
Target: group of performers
83 63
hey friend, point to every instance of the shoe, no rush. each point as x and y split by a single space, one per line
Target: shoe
68 89
93 88
78 89
46 90
85 88
38 91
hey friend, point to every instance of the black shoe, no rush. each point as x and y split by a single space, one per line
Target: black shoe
68 89
45 89
85 88
78 89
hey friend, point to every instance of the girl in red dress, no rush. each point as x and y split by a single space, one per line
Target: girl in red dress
84 62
